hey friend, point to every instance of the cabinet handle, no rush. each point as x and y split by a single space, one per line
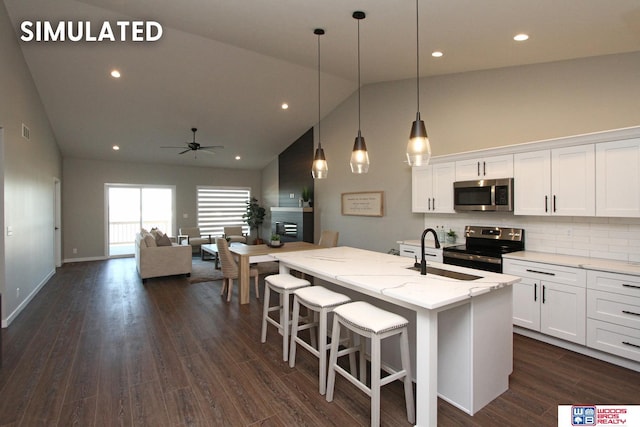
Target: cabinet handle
484 168
433 255
535 292
546 203
630 286
630 312
554 203
632 345
434 203
409 252
544 294
429 201
540 272
478 168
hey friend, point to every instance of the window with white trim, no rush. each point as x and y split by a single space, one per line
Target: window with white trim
220 207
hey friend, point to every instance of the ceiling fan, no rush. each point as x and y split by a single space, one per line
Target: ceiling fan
194 146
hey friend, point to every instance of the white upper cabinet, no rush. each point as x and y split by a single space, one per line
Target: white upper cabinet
485 168
618 178
432 188
555 182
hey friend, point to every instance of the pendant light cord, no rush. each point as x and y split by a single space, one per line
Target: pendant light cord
418 56
358 77
319 140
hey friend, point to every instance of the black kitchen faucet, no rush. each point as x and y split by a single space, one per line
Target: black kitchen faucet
423 261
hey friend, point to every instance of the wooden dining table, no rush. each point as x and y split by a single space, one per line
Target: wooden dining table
246 253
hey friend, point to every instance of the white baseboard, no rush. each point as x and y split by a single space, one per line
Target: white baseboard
587 351
94 258
11 317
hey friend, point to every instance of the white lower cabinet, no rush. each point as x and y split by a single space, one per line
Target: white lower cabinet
613 313
549 299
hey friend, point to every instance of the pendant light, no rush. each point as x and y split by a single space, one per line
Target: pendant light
320 169
418 148
359 156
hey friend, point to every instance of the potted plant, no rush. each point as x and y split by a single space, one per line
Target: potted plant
275 240
254 217
306 196
451 236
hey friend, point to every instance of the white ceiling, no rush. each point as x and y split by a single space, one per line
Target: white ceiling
225 66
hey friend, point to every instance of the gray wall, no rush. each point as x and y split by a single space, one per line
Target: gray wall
83 198
27 180
463 112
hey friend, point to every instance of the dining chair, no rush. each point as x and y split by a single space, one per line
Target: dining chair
230 270
328 239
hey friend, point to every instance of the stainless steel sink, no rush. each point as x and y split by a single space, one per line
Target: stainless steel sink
447 273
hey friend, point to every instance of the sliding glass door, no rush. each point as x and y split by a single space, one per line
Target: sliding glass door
131 207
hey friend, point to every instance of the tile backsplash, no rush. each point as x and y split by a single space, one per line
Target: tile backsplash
609 238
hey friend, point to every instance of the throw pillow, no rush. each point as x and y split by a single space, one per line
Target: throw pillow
150 241
163 240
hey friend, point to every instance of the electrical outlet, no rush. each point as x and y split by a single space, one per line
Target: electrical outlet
17 292
75 250
292 195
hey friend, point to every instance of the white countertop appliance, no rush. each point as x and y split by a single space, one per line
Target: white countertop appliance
484 247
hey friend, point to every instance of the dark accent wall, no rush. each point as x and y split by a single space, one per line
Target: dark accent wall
295 170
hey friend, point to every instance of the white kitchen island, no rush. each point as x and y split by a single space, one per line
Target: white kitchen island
463 343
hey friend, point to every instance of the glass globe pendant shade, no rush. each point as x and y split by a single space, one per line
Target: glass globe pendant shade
359 156
418 148
320 170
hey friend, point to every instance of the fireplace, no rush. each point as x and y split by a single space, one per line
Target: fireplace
292 224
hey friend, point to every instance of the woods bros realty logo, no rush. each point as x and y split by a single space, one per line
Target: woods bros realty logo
598 415
85 31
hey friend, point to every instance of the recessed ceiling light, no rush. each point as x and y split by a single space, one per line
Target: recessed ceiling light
284 106
237 157
115 74
116 147
437 54
521 37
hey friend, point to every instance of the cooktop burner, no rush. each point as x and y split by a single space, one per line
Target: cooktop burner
484 247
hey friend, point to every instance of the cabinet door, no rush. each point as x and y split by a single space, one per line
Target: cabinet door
526 303
532 183
485 168
563 312
421 188
443 175
573 181
497 167
618 178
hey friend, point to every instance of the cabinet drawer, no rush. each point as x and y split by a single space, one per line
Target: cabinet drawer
430 254
614 308
624 284
555 273
614 339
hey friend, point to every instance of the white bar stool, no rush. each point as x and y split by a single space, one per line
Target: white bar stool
321 301
376 324
283 284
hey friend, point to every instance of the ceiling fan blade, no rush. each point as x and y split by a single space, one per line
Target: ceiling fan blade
185 151
204 147
182 146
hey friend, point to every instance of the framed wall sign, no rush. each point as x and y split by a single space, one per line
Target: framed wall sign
364 203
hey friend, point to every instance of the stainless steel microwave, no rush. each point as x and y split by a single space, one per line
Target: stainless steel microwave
483 195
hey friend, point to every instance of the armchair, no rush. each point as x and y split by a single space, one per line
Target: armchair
192 236
235 234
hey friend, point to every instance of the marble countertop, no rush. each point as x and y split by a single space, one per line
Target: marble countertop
388 275
600 264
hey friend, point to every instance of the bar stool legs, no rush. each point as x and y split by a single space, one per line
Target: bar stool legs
371 322
320 301
284 285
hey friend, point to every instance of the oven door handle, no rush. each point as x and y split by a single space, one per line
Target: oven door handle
471 257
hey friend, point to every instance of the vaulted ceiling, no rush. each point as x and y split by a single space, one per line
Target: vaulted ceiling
226 66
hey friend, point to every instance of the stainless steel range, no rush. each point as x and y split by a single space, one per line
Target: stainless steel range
484 247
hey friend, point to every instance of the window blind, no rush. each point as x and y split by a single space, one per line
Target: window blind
220 207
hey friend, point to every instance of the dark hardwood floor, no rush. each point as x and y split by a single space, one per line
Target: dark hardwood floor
97 347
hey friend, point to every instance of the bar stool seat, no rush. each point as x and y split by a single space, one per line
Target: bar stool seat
375 324
284 285
321 301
